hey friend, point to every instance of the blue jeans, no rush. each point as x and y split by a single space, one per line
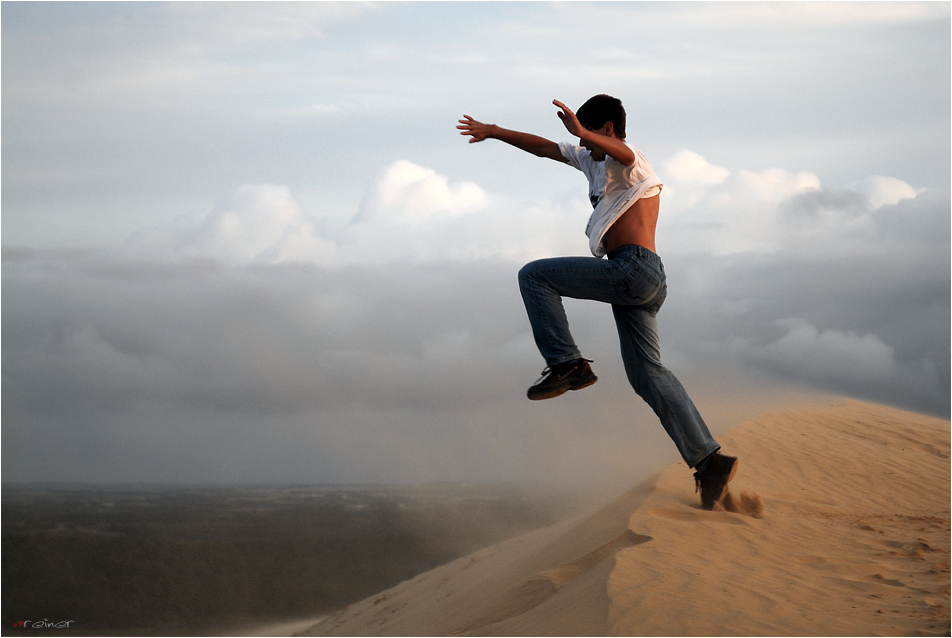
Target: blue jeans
632 280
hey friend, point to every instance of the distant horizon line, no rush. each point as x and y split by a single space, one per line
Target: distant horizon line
131 485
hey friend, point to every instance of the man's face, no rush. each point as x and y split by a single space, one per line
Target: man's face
597 154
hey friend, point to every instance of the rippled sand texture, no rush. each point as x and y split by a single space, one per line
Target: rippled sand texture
838 524
854 537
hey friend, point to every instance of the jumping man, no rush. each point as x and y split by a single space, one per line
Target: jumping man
625 193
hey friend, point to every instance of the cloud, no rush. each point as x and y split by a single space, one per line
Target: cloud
829 355
410 213
259 222
711 209
413 213
816 16
256 24
886 319
393 345
120 113
882 191
194 370
407 195
688 166
846 361
723 213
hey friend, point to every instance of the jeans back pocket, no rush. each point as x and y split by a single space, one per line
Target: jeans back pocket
639 283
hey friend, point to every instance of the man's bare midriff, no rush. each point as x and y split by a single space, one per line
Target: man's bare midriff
636 226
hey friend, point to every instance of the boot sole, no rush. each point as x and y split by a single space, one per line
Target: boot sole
557 392
584 384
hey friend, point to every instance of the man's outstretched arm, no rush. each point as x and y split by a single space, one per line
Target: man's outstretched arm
538 146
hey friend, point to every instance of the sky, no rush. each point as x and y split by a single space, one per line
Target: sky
244 242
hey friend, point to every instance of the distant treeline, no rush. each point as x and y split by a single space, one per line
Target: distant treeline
193 561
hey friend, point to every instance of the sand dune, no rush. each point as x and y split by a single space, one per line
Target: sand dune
840 526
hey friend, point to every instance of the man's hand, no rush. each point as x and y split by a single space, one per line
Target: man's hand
538 146
572 125
601 142
475 129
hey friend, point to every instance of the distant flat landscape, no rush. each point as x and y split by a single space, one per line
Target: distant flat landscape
150 560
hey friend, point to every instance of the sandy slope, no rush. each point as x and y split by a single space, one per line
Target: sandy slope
843 529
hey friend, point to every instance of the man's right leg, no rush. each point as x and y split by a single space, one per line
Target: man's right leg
543 283
540 283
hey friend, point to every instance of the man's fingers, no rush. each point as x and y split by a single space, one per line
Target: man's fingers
473 128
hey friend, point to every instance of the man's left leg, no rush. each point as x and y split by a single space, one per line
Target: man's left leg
637 333
661 389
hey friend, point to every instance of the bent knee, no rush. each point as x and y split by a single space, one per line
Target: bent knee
527 272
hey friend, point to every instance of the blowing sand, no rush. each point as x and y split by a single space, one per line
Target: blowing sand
839 526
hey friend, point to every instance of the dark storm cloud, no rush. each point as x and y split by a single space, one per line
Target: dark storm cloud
117 367
163 362
316 276
866 315
258 338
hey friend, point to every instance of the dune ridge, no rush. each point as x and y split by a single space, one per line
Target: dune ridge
838 525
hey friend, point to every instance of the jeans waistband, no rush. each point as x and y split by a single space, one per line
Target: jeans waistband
632 250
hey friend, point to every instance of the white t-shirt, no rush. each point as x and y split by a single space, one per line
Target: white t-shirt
612 188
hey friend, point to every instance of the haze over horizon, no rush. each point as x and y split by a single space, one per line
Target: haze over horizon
244 242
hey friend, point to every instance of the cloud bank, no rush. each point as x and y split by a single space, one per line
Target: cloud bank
261 341
245 241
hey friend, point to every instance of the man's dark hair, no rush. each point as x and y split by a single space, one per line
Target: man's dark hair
600 109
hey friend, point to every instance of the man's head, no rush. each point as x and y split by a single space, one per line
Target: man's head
599 110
